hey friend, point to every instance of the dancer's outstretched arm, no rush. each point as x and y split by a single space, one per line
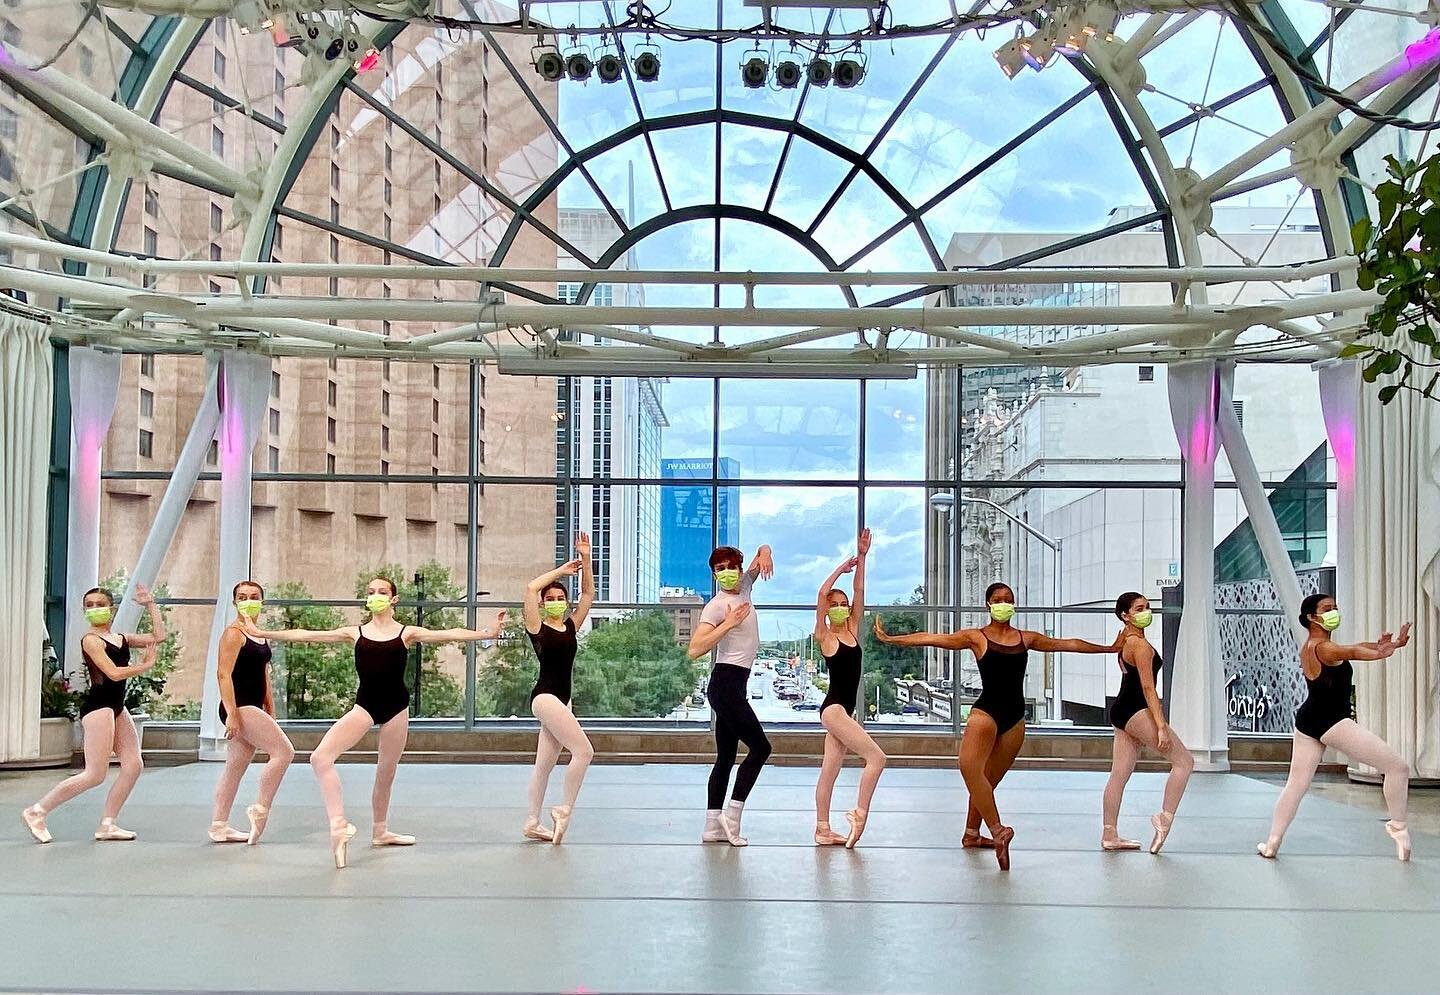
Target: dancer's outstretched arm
157 633
1049 644
964 639
1333 652
344 634
416 634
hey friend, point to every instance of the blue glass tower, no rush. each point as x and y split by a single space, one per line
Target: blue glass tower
687 517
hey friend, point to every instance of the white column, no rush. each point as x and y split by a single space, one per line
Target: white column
244 387
1197 700
1257 505
181 485
26 400
94 385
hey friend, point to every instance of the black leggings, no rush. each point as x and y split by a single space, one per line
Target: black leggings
735 722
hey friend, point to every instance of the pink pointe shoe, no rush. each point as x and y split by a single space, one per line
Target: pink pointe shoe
1112 841
856 818
824 835
221 832
258 815
1161 823
341 832
35 822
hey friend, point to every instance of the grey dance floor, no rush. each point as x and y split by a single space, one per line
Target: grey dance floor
632 902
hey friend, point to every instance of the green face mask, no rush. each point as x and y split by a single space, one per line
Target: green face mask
839 614
729 580
555 609
376 603
99 616
250 608
1330 620
1002 611
1142 620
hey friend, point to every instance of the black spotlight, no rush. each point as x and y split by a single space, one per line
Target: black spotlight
849 72
578 66
548 63
609 67
647 67
333 50
820 72
753 71
788 74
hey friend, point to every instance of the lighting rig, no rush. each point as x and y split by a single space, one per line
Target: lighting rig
1065 30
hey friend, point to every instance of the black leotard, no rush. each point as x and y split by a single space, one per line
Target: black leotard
1329 700
555 649
1002 683
381 666
844 669
248 676
1131 699
105 693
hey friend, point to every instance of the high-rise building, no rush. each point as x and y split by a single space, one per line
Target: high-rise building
620 419
691 526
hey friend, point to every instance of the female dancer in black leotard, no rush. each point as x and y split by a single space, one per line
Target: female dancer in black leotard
1324 720
107 725
995 727
837 633
247 707
551 626
1140 721
382 699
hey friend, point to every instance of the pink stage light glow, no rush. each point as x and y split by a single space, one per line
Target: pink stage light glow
368 61
1416 55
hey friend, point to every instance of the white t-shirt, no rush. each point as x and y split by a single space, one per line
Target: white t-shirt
739 646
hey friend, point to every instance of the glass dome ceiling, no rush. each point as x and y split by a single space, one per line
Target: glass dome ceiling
456 152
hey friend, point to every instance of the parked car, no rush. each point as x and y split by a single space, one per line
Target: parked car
756 694
806 706
912 710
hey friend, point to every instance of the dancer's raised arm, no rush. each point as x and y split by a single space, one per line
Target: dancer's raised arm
762 565
415 634
532 609
157 633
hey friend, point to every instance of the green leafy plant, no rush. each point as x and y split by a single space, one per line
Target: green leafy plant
57 699
1400 258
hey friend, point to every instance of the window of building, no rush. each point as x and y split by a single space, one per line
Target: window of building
147 403
385 437
217 141
434 410
147 443
1147 374
1239 411
274 383
389 157
152 202
482 385
330 430
87 61
277 244
331 392
435 375
212 455
385 363
217 218
334 289
214 252
334 363
329 462
480 416
480 450
274 459
279 85
334 211
147 364
219 26
274 422
9 123
214 287
150 240
384 468
434 445
385 331
334 249
388 229
334 136
9 33
335 176
384 402
387 191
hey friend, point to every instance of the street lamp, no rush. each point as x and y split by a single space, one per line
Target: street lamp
944 502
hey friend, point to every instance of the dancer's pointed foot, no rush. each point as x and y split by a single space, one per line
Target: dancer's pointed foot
1161 823
111 833
1003 836
221 832
534 831
341 832
730 826
380 835
1401 835
972 840
35 822
1269 849
824 835
1110 839
560 815
856 817
258 815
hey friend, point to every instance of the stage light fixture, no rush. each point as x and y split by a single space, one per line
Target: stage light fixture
647 65
547 62
850 70
1039 48
754 70
788 74
609 68
333 50
820 72
1011 56
578 65
368 61
252 15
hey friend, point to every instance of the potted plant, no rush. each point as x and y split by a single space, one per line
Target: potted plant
59 704
1400 258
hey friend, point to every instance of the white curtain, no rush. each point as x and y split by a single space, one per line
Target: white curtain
1397 571
26 385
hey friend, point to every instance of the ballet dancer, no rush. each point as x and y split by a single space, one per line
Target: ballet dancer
837 633
728 627
107 726
551 625
1140 721
995 727
382 699
1324 720
247 708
